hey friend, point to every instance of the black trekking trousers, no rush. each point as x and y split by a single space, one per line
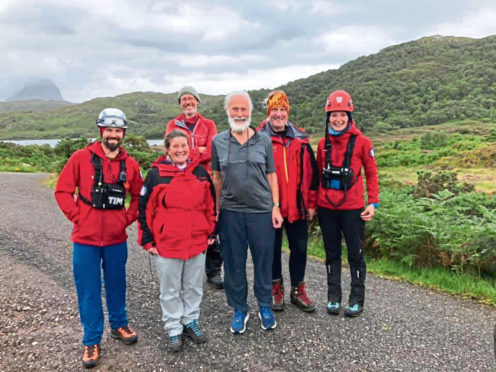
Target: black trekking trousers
334 224
297 234
213 261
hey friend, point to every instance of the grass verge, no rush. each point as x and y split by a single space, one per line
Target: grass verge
466 286
50 181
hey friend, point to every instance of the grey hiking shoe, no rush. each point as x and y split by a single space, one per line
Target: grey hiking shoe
175 343
193 331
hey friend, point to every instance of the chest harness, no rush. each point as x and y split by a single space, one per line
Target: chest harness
338 177
106 195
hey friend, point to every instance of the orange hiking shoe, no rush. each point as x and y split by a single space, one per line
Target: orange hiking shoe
277 295
91 356
125 334
300 298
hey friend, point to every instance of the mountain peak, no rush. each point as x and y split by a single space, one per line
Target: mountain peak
44 90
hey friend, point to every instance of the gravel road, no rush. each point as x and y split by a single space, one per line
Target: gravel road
403 327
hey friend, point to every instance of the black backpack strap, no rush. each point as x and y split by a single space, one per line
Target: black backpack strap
349 151
328 152
327 145
97 165
299 195
122 172
83 199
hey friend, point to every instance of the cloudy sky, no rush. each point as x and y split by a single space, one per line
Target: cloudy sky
95 48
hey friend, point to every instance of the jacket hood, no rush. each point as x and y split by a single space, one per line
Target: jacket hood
160 159
292 131
97 149
180 121
167 169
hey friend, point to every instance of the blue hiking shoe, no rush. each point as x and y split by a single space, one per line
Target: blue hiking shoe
267 318
333 308
238 324
193 331
353 311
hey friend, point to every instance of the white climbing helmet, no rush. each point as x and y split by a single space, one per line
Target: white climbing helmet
112 117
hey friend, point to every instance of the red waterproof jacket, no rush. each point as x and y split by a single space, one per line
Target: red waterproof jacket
296 170
176 209
203 132
97 226
363 156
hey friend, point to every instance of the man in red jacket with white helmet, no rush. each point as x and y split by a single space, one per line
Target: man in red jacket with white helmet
297 181
200 132
103 174
341 155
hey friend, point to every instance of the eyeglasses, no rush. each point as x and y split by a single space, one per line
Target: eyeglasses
111 121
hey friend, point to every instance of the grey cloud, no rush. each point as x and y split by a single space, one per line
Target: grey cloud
89 49
162 45
49 19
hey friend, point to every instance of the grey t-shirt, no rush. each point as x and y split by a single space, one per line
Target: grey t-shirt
244 171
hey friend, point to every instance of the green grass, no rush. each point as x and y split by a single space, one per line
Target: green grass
19 168
448 128
50 181
467 286
464 285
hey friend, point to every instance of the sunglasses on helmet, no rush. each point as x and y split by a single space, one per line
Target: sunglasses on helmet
110 121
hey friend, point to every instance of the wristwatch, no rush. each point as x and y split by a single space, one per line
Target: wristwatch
276 204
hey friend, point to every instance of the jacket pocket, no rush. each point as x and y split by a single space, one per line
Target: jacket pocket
115 224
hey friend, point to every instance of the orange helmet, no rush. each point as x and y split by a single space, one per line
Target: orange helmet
339 100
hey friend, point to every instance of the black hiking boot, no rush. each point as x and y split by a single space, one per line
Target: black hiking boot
216 281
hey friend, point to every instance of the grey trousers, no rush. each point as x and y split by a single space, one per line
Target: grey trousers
181 290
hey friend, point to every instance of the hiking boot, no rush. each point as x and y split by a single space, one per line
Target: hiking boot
175 343
333 308
300 299
268 322
238 324
277 295
353 311
193 330
91 356
125 334
216 281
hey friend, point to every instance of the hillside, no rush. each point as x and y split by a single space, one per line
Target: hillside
147 113
424 82
35 105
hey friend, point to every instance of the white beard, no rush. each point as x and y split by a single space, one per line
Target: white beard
238 128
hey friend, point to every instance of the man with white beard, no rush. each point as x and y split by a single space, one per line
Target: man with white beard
248 210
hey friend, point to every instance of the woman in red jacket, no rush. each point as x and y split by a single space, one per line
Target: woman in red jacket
176 220
341 155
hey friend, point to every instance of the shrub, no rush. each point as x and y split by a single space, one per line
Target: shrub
67 146
433 140
457 232
135 142
429 184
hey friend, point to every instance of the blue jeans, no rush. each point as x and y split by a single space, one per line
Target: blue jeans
87 262
237 232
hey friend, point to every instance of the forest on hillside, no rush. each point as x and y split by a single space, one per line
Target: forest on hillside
429 81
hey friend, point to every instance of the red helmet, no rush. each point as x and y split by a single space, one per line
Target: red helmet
339 100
